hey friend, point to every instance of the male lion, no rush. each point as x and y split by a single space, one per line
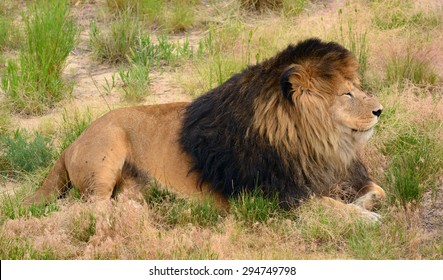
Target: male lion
290 126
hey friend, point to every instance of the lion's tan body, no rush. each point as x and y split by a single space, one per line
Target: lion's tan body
146 136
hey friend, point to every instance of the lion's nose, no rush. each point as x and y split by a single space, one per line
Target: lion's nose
377 113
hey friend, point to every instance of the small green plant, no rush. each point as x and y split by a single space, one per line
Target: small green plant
254 207
410 68
35 82
83 226
26 152
114 45
164 53
135 83
73 125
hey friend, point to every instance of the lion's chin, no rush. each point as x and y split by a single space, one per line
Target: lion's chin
363 135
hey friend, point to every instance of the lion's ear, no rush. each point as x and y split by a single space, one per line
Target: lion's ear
285 84
294 80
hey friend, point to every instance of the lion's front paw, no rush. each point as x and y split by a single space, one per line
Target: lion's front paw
372 198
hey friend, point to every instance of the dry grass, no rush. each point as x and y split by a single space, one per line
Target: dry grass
396 45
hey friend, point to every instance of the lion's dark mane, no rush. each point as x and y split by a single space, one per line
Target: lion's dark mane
227 151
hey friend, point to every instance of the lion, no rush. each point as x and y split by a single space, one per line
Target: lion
289 126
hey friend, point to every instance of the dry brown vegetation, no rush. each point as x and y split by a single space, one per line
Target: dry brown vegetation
399 45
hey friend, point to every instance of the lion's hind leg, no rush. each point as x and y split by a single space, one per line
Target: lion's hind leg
96 167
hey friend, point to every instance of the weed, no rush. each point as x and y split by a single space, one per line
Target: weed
74 123
26 152
35 82
135 83
164 53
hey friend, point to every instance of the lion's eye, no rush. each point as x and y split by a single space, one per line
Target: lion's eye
349 94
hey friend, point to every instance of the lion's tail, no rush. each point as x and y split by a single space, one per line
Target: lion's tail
55 184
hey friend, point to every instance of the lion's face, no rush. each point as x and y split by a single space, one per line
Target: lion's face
355 112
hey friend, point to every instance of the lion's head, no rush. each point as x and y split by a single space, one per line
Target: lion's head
290 124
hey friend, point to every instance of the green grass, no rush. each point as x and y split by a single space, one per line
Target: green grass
251 208
118 6
34 83
173 211
27 152
10 36
5 119
409 68
394 14
171 15
415 162
74 123
135 83
12 208
161 54
289 8
357 43
293 8
19 249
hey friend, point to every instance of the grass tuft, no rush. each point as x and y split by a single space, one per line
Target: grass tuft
415 162
409 68
34 82
251 208
114 45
